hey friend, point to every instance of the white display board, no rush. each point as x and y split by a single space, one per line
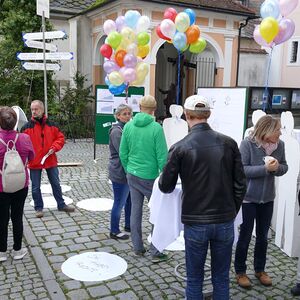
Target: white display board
229 110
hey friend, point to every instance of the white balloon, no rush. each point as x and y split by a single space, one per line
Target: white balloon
109 26
143 24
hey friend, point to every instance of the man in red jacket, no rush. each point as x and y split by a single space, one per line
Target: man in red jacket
46 139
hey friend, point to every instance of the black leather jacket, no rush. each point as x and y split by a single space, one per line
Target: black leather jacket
212 176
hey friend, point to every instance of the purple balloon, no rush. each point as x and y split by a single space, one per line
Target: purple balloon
287 6
129 75
110 66
259 39
286 30
130 61
120 23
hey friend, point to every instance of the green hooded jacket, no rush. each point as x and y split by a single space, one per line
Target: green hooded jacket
143 149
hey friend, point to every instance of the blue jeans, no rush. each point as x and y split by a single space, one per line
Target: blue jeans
262 213
197 238
53 176
121 199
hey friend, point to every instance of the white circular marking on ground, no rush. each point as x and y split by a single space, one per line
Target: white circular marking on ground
94 266
177 245
46 188
50 202
96 204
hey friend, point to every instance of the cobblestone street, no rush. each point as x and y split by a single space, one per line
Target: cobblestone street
58 236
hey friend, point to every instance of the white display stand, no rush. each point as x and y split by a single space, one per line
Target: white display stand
229 110
94 266
287 220
175 128
256 115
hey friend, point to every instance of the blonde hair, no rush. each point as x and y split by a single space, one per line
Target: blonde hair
264 127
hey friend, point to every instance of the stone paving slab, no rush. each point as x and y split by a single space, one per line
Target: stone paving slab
58 236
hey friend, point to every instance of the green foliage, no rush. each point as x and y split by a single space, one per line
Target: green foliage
17 16
73 109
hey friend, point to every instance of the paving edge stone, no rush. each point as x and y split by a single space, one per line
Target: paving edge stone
53 288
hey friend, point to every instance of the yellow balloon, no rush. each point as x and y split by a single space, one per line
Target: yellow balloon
143 51
142 70
268 29
115 78
128 34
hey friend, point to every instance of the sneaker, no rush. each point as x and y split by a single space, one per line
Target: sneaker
243 281
19 254
127 229
3 256
140 252
264 278
296 290
160 258
67 208
119 236
39 214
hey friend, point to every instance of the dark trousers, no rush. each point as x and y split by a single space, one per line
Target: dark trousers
12 206
262 214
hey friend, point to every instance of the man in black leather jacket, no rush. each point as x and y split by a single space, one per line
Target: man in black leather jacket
213 187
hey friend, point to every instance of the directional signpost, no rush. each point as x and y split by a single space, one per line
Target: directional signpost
40 66
37 40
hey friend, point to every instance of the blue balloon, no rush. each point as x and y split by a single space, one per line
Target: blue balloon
107 82
192 15
270 8
179 40
117 90
131 18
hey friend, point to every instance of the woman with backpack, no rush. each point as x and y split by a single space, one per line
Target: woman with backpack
117 175
15 150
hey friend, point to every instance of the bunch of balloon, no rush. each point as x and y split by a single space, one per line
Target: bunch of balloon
275 28
180 30
125 48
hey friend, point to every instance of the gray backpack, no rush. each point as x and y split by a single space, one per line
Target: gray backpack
13 171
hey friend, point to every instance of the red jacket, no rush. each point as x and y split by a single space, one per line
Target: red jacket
44 136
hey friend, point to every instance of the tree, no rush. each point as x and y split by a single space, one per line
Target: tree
17 16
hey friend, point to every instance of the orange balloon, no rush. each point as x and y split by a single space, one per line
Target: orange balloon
192 34
119 57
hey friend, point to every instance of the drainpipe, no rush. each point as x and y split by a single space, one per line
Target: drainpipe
242 25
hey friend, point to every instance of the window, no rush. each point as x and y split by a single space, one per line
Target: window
294 52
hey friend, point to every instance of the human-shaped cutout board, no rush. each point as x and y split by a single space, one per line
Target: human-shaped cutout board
175 128
287 220
256 115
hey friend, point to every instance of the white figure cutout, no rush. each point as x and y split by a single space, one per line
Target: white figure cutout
288 223
175 128
256 115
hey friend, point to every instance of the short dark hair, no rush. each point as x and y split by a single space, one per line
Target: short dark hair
8 118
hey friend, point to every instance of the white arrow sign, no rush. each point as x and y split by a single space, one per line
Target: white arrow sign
39 45
48 35
40 66
48 56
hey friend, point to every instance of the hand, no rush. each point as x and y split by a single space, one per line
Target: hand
272 165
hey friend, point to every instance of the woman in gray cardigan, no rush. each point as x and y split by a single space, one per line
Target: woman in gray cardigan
117 175
263 157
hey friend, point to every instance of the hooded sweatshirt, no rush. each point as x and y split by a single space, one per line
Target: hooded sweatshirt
143 149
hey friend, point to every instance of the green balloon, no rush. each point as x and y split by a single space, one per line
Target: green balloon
114 39
198 46
143 38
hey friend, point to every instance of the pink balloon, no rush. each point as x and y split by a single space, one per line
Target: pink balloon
109 26
286 30
120 23
259 39
110 66
130 61
129 75
287 6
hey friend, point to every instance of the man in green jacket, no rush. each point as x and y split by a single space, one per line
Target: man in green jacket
143 153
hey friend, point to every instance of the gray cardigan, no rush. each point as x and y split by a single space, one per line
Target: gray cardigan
260 182
116 172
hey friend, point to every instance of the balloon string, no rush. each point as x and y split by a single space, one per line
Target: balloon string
178 79
266 91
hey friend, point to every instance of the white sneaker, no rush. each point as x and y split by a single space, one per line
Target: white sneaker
19 254
3 256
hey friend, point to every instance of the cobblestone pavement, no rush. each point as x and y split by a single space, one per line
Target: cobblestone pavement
58 236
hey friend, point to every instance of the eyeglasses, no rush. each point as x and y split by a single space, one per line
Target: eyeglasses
126 114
